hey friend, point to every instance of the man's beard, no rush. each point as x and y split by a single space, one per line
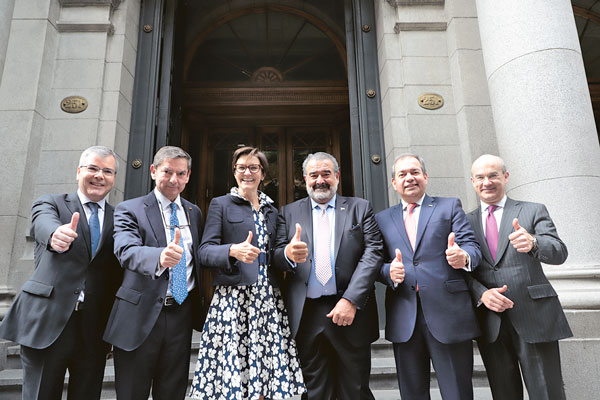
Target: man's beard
319 195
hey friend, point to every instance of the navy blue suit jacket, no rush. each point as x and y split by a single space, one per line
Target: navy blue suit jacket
444 293
139 239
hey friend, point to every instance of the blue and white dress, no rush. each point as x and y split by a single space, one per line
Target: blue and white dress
246 350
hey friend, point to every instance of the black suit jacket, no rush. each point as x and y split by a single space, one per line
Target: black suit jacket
358 256
43 307
537 315
228 221
139 240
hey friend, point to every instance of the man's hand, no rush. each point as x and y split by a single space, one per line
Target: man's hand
244 251
296 250
397 268
171 255
456 257
343 313
64 235
521 240
495 300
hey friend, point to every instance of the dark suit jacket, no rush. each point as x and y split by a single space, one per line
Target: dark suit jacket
41 310
443 290
228 221
537 315
139 240
358 255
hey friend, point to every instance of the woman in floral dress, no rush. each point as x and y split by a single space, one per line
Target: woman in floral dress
246 351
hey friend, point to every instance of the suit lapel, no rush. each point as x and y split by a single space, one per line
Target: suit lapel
154 215
187 207
480 236
74 205
397 215
305 219
427 208
341 212
511 211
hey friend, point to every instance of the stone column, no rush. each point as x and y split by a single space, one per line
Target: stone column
547 136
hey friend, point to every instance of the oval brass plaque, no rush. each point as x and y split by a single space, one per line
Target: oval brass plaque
74 104
431 101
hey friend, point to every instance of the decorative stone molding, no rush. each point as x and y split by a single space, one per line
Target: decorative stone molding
420 26
68 26
396 3
577 287
83 3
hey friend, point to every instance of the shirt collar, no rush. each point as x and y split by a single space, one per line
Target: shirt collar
84 200
405 204
500 204
328 204
164 202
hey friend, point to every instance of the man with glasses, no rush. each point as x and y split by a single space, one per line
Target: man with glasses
59 316
158 303
519 311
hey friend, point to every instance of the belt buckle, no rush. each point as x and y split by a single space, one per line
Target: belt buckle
169 301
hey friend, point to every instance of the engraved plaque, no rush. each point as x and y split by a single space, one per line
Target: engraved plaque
74 104
431 101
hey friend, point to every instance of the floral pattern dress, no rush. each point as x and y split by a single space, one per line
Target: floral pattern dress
245 349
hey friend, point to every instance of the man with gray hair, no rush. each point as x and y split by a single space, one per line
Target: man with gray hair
331 247
158 303
59 316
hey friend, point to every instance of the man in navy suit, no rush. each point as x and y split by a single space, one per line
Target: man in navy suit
60 314
156 241
429 246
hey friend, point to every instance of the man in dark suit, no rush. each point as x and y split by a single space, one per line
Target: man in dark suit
60 314
332 247
429 248
150 326
519 312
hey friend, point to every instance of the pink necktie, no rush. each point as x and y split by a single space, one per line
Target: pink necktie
491 231
410 223
322 254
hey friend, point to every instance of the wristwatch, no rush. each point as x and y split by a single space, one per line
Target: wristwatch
535 245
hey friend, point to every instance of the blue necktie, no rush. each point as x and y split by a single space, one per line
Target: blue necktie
94 224
179 271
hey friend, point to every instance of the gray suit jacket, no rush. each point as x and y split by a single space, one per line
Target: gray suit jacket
358 256
139 240
46 301
537 315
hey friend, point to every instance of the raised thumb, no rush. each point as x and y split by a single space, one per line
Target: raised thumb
503 289
74 221
249 238
298 232
516 224
451 237
398 255
176 236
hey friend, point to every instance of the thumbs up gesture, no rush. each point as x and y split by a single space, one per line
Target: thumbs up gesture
297 250
171 255
397 268
64 235
520 239
244 251
456 257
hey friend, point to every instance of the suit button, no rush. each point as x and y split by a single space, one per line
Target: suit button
77 291
412 287
496 268
306 283
166 277
160 300
415 263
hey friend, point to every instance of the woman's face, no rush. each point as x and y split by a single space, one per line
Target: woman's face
248 181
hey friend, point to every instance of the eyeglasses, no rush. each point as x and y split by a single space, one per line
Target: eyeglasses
172 227
241 168
494 176
94 169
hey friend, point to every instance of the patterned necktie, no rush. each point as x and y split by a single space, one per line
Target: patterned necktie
322 254
94 224
410 223
491 231
179 271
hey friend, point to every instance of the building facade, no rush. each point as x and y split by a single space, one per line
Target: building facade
363 79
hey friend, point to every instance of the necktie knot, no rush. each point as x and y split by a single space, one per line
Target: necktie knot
93 206
492 208
173 207
411 207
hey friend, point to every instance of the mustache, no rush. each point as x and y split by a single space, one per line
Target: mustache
321 186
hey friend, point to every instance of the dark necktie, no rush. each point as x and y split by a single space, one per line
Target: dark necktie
179 271
94 224
491 231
